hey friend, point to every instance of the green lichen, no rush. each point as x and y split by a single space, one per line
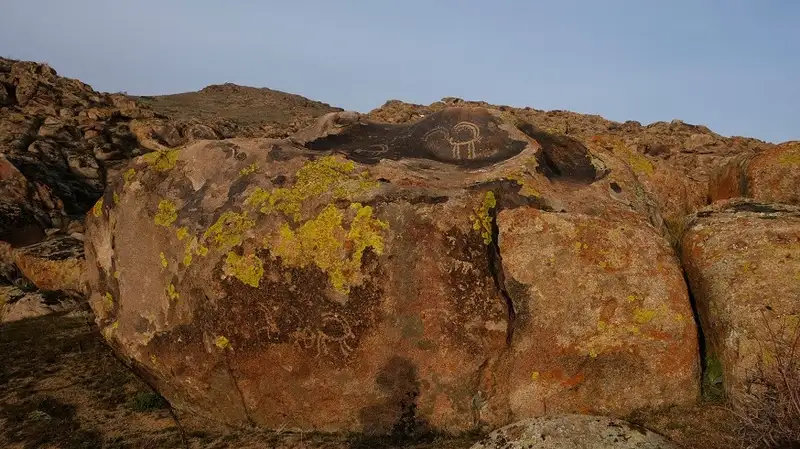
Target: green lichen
481 220
324 242
249 268
249 170
172 292
182 233
97 209
129 175
167 213
164 262
229 229
315 178
162 160
109 299
116 198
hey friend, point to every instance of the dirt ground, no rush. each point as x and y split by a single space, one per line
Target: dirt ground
62 387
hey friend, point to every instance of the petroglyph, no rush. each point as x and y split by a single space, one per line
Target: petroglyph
462 135
374 150
334 332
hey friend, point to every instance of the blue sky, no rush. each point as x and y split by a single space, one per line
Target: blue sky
733 65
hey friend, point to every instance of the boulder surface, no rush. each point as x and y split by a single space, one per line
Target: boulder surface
353 278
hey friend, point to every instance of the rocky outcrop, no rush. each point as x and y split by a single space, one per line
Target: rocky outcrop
742 259
692 150
54 264
771 176
17 304
379 276
571 432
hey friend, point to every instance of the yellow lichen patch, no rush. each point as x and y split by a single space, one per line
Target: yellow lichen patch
182 233
162 160
163 258
167 213
639 163
97 209
172 292
642 315
116 198
249 170
257 198
526 188
108 331
229 229
535 376
324 175
222 342
249 268
791 157
325 243
481 220
116 274
109 299
365 232
193 247
129 175
153 359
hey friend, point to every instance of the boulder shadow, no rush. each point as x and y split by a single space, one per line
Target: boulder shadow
394 420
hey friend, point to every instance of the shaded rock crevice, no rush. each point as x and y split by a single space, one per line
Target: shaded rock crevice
498 274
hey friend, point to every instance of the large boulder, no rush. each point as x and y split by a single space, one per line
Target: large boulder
54 264
742 259
771 176
573 432
352 277
603 318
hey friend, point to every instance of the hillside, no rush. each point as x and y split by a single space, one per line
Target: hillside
256 110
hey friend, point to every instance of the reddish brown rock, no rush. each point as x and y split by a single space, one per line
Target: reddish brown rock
313 283
603 320
742 259
771 176
54 264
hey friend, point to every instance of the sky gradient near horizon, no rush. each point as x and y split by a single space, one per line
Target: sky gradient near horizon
733 65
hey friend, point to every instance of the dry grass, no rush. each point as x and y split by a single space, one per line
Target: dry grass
768 414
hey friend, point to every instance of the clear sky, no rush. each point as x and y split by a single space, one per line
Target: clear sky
733 65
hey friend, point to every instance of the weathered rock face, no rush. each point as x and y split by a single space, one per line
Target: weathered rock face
54 264
692 150
603 318
771 176
319 283
17 304
572 432
742 259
